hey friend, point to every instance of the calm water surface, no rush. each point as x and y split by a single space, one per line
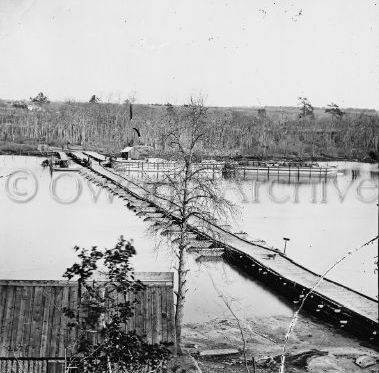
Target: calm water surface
37 237
324 219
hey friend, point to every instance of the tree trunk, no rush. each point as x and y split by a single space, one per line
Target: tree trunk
182 265
180 298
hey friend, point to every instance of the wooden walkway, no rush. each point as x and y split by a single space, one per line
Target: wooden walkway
345 307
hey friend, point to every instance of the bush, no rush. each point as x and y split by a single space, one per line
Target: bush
104 307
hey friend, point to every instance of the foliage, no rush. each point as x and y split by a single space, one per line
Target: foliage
334 110
100 319
231 131
306 109
40 99
20 105
94 100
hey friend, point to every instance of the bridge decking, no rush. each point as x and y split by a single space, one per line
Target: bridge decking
280 270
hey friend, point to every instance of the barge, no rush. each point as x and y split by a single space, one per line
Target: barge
280 168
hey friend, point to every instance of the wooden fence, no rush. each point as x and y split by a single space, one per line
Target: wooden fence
31 365
32 324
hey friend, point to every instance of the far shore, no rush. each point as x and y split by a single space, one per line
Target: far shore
9 148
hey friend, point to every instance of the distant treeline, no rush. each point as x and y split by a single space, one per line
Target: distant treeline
266 133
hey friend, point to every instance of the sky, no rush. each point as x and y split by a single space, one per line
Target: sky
233 53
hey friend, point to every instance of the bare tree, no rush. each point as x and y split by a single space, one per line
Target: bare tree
228 303
310 291
190 194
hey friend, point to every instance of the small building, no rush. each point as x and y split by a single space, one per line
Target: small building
126 153
43 147
136 152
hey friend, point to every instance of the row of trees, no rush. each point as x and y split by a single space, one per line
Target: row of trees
307 110
107 126
42 99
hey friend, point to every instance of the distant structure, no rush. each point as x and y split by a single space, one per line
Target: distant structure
262 113
43 147
136 152
20 105
126 153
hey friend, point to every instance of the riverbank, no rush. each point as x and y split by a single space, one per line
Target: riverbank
314 346
25 149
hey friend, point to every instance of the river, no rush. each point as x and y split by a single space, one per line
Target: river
37 236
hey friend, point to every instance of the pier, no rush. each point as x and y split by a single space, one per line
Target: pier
346 308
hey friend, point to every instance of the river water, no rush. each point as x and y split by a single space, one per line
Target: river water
37 236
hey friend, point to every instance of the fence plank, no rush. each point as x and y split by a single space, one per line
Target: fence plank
33 323
61 334
21 322
45 321
56 323
3 311
71 331
16 320
147 315
163 313
139 314
37 314
170 313
7 324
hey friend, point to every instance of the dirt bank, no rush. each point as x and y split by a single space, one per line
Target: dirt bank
333 349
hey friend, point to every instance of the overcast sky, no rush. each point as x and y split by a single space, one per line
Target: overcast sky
237 52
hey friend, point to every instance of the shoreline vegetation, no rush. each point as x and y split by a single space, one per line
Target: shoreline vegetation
238 132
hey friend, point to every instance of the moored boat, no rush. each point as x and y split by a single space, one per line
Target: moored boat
60 162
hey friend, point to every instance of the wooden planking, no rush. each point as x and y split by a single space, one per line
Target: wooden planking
8 320
164 313
16 318
3 298
45 321
21 322
154 307
138 313
147 315
33 325
35 333
70 331
170 314
62 341
158 313
132 321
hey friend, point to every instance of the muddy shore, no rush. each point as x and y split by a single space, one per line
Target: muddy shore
314 346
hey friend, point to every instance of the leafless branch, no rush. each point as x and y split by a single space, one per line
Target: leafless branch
317 283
